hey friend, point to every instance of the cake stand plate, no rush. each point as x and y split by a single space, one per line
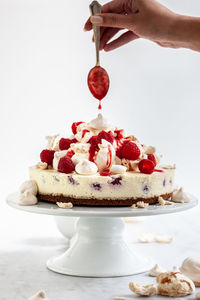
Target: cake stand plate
99 249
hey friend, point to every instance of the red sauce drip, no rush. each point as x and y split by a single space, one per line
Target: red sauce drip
99 107
84 132
109 157
105 173
156 170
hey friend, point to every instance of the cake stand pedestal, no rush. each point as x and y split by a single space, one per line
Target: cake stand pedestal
99 249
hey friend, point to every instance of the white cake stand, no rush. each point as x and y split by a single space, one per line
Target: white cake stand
99 249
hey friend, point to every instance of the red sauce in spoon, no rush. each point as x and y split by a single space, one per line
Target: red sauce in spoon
98 83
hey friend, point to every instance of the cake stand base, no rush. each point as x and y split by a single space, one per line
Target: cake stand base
99 251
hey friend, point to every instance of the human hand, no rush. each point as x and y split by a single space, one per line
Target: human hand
142 18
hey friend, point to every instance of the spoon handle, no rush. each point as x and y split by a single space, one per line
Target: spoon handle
95 8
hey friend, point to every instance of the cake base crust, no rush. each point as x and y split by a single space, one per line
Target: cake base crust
98 202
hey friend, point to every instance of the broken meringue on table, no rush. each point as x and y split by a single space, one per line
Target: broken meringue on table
143 290
174 284
191 268
156 270
179 196
39 296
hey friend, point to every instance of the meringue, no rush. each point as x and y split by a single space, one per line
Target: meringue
99 123
64 204
191 268
30 186
179 196
57 156
86 167
51 141
27 198
117 169
106 155
39 296
143 290
156 270
174 284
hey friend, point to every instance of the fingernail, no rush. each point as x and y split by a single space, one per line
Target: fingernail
96 20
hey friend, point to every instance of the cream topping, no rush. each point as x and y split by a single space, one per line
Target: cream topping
191 268
86 167
99 123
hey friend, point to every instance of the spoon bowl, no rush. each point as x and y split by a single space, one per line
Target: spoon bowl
98 82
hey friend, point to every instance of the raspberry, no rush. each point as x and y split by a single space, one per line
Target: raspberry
130 151
146 166
64 144
70 153
65 165
74 126
106 136
152 158
47 156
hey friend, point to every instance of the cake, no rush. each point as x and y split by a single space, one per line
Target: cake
100 166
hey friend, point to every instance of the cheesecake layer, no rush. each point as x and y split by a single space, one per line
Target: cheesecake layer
128 186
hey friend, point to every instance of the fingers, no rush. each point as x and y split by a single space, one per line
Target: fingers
113 20
107 35
116 6
122 40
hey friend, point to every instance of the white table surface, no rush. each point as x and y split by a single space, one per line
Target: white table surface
24 250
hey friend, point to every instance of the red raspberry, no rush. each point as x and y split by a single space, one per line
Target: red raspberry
130 151
106 136
64 144
74 126
152 158
47 156
65 165
70 153
146 166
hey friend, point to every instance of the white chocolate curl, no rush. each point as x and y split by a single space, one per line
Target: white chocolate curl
51 141
39 296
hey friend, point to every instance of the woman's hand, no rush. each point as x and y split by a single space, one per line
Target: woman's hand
142 19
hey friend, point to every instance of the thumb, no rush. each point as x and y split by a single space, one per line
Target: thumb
113 20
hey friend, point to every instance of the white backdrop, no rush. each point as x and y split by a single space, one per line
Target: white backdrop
44 60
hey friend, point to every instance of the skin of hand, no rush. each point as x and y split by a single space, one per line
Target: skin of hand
144 19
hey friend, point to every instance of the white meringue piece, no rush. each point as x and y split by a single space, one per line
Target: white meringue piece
150 150
57 157
30 186
173 284
99 123
156 270
191 268
106 155
51 141
80 148
86 167
77 157
179 196
117 169
39 296
27 198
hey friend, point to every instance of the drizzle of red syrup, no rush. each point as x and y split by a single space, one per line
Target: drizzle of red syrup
109 157
98 83
156 170
99 107
105 173
84 132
